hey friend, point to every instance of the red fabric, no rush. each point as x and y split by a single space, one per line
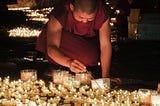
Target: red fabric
41 41
84 49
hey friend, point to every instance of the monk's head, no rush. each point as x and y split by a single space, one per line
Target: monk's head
84 10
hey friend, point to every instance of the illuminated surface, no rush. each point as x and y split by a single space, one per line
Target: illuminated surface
38 93
23 32
38 14
35 15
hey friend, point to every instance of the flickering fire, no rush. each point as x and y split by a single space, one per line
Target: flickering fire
23 32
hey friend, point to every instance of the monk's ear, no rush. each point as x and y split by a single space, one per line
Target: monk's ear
71 7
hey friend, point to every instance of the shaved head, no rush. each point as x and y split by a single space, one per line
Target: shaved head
87 6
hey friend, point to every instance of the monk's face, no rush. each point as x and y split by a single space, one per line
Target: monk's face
83 16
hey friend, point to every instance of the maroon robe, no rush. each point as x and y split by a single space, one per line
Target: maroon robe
79 40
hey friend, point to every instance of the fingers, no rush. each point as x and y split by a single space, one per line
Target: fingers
116 80
77 67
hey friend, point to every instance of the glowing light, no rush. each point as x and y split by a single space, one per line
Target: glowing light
23 32
38 14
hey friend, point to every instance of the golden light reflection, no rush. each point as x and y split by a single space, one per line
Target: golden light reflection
23 32
38 93
35 14
38 14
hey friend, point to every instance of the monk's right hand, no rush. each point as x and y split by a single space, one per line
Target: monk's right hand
76 66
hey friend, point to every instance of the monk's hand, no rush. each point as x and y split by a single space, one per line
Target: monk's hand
76 66
116 80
